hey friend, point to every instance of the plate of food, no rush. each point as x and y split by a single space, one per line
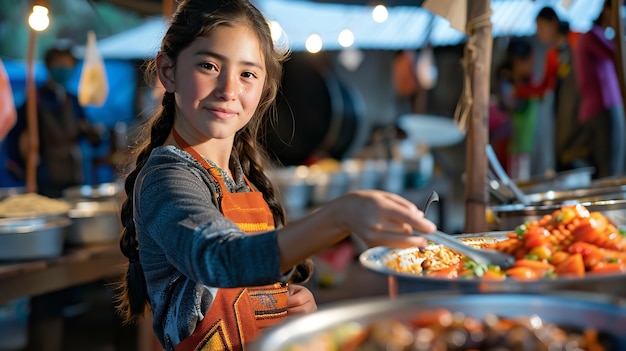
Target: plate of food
449 321
572 248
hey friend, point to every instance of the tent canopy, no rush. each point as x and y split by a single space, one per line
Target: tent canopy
406 28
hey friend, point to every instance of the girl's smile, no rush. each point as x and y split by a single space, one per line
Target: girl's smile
218 81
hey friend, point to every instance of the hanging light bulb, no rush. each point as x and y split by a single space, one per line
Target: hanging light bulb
380 13
346 38
38 19
313 43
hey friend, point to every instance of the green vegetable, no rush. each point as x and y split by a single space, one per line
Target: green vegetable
550 275
532 257
613 260
521 230
622 232
558 218
477 269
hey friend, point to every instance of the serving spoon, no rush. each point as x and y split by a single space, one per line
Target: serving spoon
480 256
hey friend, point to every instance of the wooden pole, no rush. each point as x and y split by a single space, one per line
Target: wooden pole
31 116
479 46
620 48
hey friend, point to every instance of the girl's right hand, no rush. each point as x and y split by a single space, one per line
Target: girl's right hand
381 219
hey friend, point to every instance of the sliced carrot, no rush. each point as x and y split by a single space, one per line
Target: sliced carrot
533 264
448 272
607 268
536 237
493 275
523 273
572 266
559 257
583 248
593 258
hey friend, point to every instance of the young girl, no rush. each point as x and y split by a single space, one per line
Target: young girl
205 234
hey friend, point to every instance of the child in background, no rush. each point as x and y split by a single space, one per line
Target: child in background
516 72
206 237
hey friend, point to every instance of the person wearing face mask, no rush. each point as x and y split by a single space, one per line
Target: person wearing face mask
62 123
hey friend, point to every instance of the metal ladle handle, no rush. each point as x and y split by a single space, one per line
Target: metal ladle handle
501 173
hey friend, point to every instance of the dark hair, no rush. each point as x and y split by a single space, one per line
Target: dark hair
193 19
547 13
519 49
54 53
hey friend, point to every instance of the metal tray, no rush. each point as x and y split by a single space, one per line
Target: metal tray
32 238
373 259
589 310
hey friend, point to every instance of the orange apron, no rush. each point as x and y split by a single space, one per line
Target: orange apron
237 315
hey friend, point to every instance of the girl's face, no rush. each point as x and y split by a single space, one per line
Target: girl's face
218 81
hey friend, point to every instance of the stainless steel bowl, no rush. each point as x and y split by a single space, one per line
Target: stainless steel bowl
508 217
94 222
577 310
104 191
374 260
32 238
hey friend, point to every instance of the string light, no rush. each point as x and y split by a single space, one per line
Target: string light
380 13
346 38
314 43
38 19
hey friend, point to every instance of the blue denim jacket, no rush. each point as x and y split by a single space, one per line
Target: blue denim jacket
187 248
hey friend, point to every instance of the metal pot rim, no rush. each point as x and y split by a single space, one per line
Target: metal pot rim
520 209
26 225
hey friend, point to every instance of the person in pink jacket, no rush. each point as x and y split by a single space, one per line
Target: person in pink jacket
600 137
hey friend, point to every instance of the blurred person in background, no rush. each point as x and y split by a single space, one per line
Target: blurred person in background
560 75
601 130
62 122
516 72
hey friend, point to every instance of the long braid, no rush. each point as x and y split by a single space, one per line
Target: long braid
252 158
132 297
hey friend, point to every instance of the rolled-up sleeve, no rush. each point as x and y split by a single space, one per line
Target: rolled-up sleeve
174 210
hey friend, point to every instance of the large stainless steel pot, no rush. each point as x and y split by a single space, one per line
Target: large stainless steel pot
570 309
95 213
508 217
565 180
94 222
32 238
104 191
374 260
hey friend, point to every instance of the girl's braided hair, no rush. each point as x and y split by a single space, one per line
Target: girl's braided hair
193 19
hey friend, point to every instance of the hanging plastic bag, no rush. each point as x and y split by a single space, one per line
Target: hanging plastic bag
93 87
8 115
